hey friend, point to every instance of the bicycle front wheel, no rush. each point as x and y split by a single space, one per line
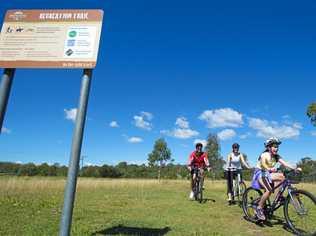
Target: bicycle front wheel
300 212
241 189
196 189
200 192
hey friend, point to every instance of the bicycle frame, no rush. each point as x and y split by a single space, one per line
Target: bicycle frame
196 174
236 182
197 182
277 202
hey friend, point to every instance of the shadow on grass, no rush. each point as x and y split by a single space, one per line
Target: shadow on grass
205 200
124 230
272 222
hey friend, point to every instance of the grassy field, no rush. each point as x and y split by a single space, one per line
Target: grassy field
32 206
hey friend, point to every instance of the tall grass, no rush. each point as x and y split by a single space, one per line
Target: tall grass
32 206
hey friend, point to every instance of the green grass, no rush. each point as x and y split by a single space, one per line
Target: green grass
32 206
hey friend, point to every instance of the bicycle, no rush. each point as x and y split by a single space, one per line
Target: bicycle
197 184
299 206
238 184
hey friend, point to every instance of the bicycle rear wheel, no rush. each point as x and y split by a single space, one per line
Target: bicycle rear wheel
250 200
300 212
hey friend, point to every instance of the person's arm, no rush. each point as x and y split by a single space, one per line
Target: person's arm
285 164
229 158
190 160
242 159
207 163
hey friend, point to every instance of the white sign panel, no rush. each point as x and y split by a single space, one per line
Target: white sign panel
50 38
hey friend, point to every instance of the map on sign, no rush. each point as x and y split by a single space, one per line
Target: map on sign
50 38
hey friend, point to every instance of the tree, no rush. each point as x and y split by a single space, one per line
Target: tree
29 169
213 152
311 113
160 155
308 166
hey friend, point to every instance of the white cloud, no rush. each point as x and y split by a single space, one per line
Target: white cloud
244 136
5 130
268 129
313 133
148 115
137 162
135 140
71 114
286 117
226 134
203 141
88 164
142 121
182 123
224 117
180 133
182 130
114 124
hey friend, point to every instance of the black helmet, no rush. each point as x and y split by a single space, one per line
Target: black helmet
235 145
198 145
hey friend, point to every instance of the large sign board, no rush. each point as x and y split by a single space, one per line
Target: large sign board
50 38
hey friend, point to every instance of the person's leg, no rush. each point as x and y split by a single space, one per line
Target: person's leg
240 173
202 176
234 179
191 196
227 182
277 178
268 190
229 185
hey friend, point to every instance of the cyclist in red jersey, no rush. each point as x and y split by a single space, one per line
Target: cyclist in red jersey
199 159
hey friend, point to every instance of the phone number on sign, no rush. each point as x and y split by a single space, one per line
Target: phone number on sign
79 64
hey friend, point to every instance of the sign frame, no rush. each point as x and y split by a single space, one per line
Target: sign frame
50 38
5 88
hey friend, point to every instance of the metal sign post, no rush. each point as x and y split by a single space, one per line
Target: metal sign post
72 38
70 190
5 89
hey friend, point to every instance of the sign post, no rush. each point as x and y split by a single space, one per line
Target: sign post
53 39
5 88
70 189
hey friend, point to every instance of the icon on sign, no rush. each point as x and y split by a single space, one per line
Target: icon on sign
72 34
71 42
19 30
9 30
69 52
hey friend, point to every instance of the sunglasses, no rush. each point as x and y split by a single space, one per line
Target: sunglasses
275 145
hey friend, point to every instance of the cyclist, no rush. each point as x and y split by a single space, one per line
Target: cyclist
199 159
266 175
233 167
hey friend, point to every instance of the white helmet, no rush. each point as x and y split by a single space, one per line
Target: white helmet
271 141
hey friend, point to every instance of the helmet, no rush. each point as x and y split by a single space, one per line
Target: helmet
235 145
271 141
198 145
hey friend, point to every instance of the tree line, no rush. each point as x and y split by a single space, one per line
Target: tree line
121 170
160 165
125 170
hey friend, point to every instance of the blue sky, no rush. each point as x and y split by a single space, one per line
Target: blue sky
177 70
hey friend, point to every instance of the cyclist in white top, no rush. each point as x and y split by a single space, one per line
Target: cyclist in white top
234 161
